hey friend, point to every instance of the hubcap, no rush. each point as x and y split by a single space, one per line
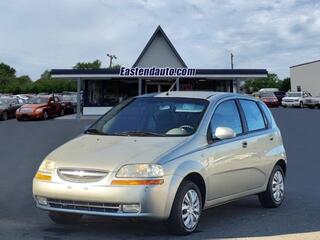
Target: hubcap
4 116
191 209
278 186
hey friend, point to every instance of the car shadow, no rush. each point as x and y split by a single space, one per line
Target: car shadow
242 218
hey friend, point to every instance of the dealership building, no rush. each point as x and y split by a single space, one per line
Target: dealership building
158 68
306 77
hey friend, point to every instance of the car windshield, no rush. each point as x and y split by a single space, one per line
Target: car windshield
37 100
69 98
294 94
152 116
4 101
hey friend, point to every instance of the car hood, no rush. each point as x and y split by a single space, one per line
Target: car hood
33 105
111 152
291 98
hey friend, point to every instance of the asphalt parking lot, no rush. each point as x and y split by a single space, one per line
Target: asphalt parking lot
23 145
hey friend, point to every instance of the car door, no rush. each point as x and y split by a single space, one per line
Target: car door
231 161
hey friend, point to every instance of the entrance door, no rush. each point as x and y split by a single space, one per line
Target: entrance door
152 88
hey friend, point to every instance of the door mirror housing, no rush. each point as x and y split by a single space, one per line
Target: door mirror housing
222 133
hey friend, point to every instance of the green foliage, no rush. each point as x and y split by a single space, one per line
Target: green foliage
7 71
285 85
88 65
272 81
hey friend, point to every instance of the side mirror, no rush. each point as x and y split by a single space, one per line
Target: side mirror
222 133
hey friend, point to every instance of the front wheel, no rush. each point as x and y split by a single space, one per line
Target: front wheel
45 115
186 209
64 218
301 105
274 195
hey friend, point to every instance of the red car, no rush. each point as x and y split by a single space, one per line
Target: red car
269 99
40 107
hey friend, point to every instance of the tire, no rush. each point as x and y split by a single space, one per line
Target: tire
64 218
45 115
269 199
301 105
175 222
4 116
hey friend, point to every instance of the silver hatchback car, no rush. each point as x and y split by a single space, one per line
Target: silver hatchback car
166 156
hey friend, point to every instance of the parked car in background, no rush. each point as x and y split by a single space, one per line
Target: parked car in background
269 99
21 98
167 157
8 107
312 102
295 99
69 103
279 95
40 107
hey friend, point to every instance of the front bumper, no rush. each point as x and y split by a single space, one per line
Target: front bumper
29 116
155 201
290 104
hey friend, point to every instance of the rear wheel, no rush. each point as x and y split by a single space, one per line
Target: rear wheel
186 209
4 115
64 218
274 195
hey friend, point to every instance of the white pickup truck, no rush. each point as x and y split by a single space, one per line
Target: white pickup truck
296 99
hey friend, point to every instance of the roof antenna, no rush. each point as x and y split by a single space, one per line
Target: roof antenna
171 88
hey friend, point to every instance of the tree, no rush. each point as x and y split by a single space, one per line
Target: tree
88 65
285 84
7 71
271 81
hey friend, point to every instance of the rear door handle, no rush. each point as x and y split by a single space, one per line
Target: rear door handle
244 144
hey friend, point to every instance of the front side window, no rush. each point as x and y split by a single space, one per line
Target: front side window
253 115
227 115
152 116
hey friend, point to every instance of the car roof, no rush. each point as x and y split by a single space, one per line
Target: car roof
207 95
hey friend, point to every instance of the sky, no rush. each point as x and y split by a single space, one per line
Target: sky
36 35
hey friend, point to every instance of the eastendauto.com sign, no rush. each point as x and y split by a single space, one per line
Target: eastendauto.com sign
154 71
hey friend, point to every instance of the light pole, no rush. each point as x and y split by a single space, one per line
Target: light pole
231 58
111 58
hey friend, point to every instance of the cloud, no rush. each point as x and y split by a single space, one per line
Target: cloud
45 34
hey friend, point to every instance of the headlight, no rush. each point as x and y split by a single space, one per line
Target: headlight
39 110
140 171
45 170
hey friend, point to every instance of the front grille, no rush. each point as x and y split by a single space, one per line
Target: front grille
84 206
26 110
81 175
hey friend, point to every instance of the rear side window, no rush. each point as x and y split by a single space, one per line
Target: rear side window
227 115
266 113
253 115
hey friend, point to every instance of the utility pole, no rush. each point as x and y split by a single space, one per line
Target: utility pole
231 57
111 58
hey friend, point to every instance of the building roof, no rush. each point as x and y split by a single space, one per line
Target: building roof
160 31
302 64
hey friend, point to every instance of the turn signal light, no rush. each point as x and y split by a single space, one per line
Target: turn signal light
41 176
138 182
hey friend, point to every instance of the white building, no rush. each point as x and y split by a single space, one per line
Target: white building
306 77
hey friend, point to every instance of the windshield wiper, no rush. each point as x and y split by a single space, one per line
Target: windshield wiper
138 133
93 131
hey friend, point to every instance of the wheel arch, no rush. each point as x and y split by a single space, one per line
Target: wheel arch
283 165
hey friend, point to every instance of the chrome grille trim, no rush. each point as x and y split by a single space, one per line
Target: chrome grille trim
81 175
84 206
